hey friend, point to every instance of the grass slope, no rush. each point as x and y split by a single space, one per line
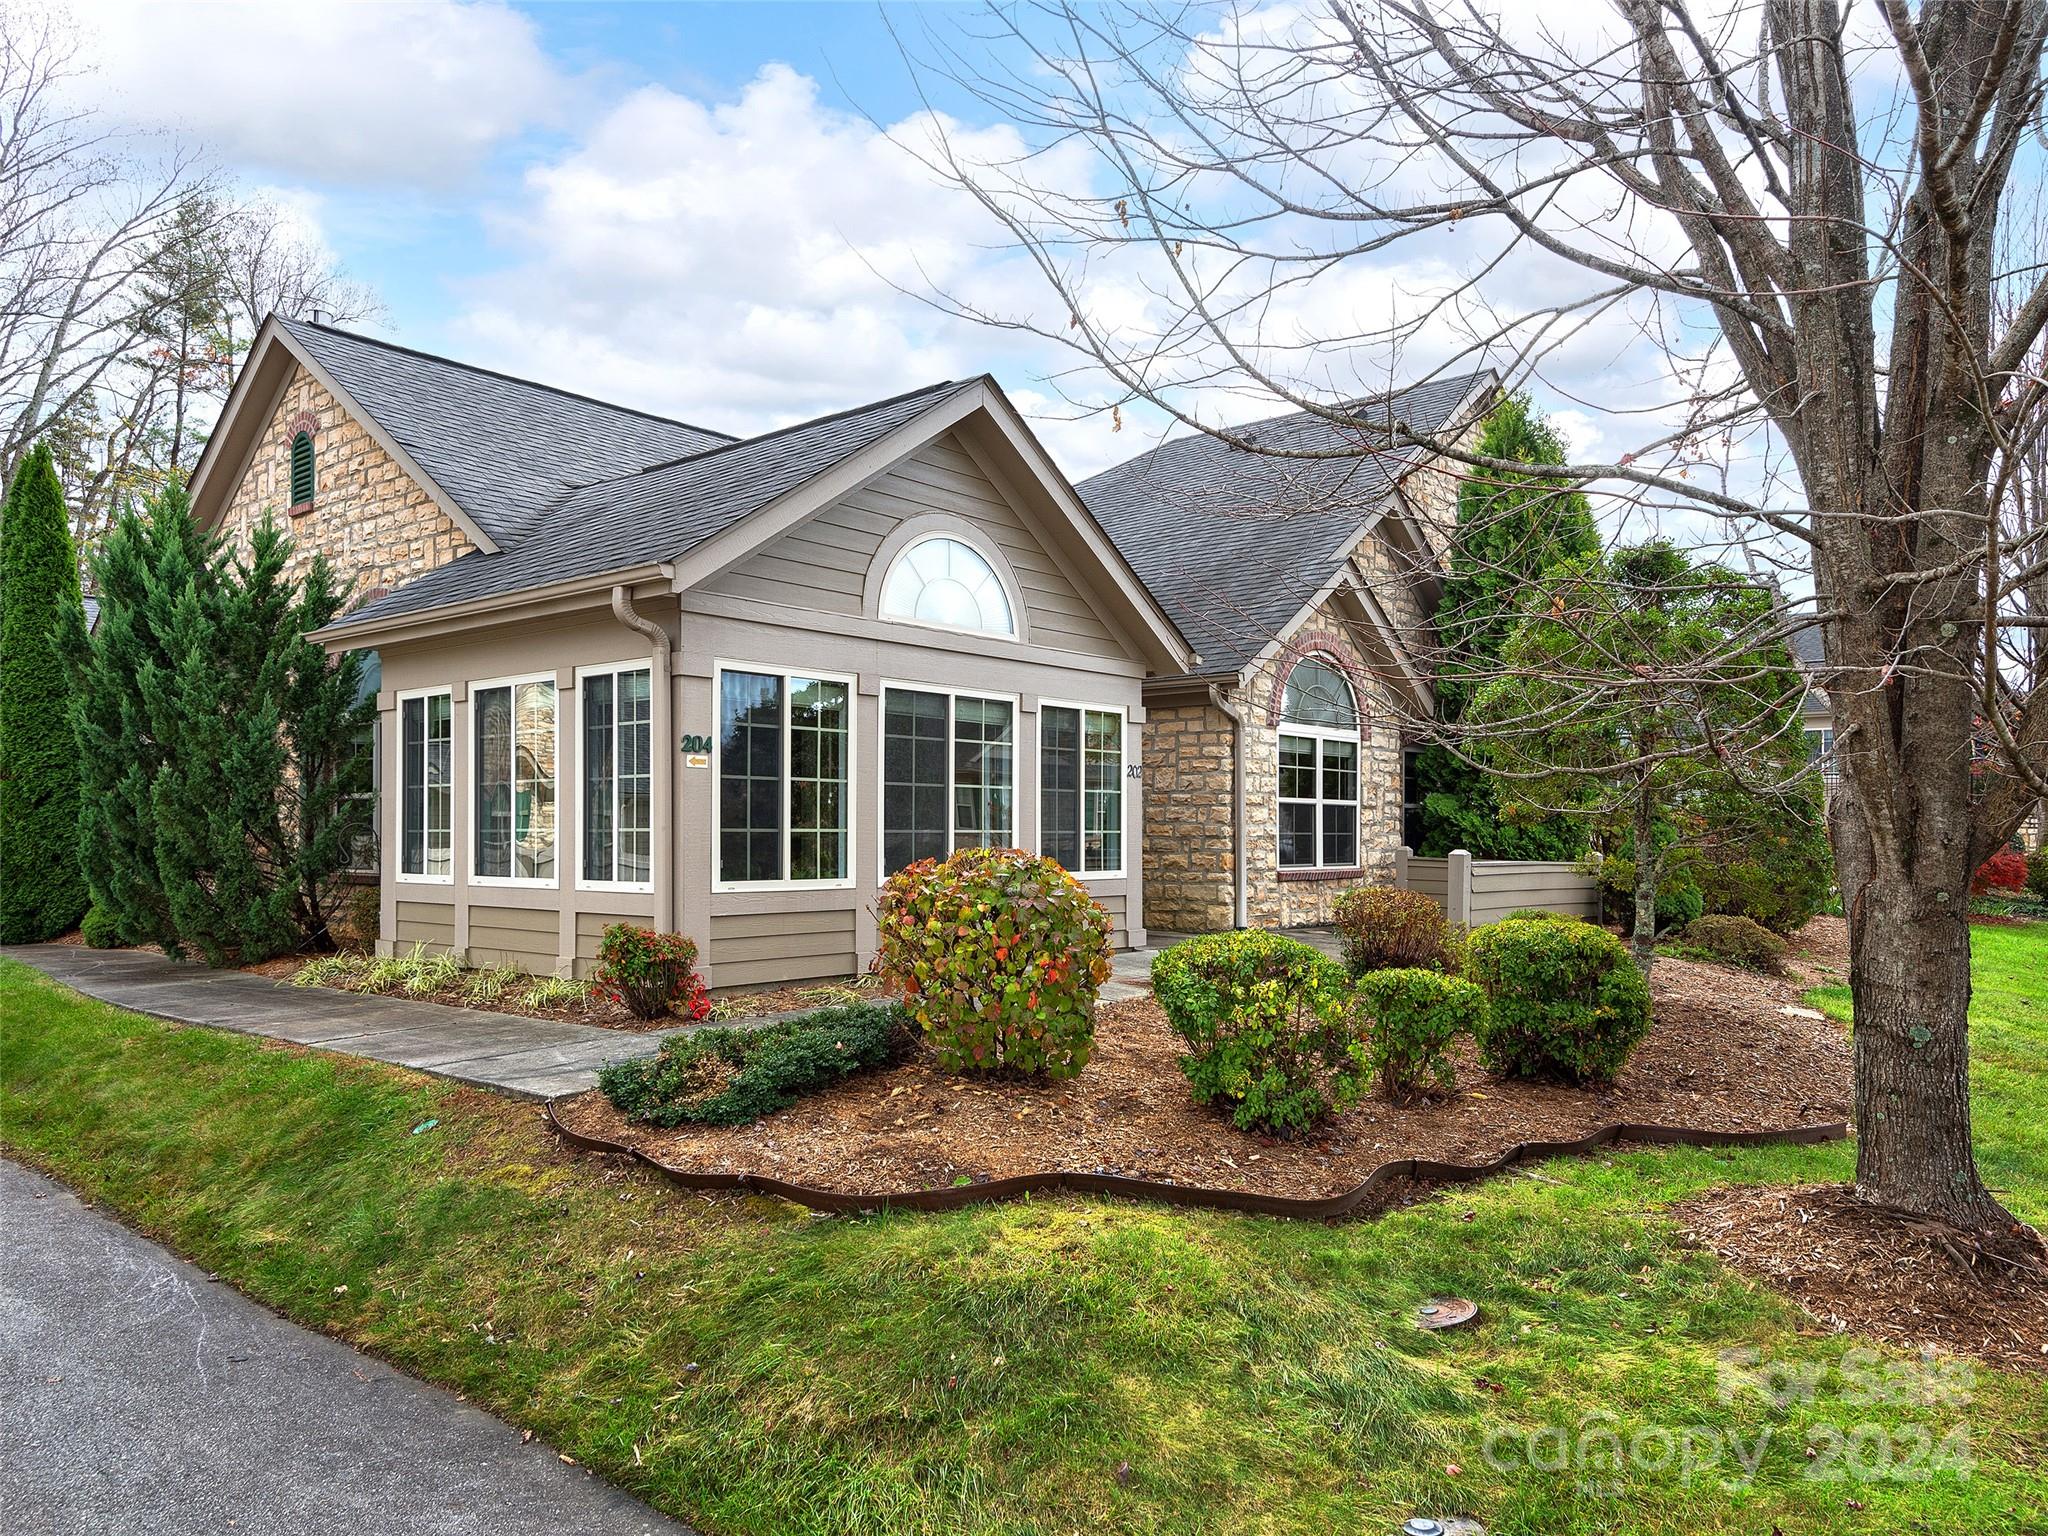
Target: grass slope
992 1369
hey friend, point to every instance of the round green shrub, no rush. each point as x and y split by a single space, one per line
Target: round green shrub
1379 927
1564 1000
1410 1018
1543 915
999 955
2037 874
98 930
1737 941
1265 1019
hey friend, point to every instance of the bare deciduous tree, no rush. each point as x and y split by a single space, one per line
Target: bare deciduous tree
1799 206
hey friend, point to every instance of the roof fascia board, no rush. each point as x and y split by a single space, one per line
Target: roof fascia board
208 467
389 444
504 607
1175 651
725 549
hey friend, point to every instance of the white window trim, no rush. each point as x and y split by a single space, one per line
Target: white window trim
983 546
612 669
953 696
762 669
446 691
523 882
1123 842
1321 734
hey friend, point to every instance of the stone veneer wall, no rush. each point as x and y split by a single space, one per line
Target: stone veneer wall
1287 899
376 526
1188 859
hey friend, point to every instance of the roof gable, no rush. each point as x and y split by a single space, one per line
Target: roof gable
1235 542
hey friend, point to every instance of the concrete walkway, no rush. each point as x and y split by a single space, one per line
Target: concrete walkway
529 1058
137 1398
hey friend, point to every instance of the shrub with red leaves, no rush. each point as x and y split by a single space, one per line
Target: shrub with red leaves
651 973
2005 870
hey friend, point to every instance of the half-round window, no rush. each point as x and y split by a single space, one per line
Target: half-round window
943 581
302 469
1317 694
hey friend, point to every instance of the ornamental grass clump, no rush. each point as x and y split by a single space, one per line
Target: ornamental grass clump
1409 1019
999 955
1266 1022
1381 927
651 974
735 1076
1564 1000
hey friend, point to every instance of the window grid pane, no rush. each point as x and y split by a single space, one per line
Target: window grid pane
914 787
599 778
818 751
982 773
533 787
1103 813
412 792
440 785
1059 785
750 777
635 710
493 782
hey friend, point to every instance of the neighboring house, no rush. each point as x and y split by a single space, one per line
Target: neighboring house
1816 712
1275 767
631 668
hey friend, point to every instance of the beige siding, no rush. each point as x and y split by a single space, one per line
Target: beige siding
823 563
1507 885
525 937
1114 904
759 948
431 923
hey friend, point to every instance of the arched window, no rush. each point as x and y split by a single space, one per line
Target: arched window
1319 761
943 581
302 469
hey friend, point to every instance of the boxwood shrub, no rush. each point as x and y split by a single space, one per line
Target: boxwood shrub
1266 1020
98 929
1379 926
1409 1017
1564 1000
1735 941
999 955
735 1076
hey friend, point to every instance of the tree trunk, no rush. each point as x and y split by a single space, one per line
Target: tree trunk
1644 939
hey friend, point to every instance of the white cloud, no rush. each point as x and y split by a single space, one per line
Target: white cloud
753 262
411 94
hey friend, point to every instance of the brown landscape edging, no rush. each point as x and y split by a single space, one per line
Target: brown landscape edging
1424 1170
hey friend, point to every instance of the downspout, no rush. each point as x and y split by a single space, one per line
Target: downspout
661 688
1241 916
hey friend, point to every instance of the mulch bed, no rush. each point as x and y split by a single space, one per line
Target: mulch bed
1855 1269
1729 1051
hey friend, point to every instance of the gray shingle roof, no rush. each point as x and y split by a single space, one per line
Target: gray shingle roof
1232 541
658 512
503 448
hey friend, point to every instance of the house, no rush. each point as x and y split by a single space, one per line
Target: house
632 668
1304 570
1816 711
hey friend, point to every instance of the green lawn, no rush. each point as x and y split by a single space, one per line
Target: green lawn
993 1369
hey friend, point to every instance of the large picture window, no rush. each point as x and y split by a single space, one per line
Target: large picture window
949 774
1081 788
515 739
785 750
426 824
617 715
1320 744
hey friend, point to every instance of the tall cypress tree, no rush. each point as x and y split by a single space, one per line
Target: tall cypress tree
41 890
226 746
1512 530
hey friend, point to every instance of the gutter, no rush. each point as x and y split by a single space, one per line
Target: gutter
1240 915
661 693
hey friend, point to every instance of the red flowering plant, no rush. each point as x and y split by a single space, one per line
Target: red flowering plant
2005 870
999 955
651 973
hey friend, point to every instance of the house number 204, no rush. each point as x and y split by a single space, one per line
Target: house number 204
696 743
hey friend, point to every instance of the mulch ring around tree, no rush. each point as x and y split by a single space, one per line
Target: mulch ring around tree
1909 1283
1729 1052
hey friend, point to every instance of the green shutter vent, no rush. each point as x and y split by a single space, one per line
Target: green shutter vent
302 469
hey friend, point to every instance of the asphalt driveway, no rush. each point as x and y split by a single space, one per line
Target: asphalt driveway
137 1396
